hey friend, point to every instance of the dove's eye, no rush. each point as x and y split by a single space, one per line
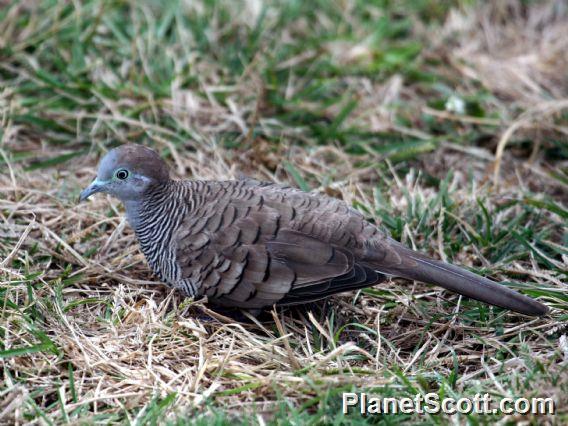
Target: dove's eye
121 174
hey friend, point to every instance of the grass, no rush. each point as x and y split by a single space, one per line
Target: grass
445 122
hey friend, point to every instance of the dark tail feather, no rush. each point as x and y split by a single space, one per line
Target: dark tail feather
418 267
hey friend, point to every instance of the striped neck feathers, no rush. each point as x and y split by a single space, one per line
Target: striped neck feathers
148 206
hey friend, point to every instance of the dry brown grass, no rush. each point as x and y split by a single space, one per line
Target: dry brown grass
518 53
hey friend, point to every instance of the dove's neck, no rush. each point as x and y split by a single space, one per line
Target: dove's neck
133 208
156 217
160 208
144 208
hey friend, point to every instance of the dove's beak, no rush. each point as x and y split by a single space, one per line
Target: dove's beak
93 188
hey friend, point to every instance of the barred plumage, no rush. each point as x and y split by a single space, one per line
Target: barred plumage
250 244
156 224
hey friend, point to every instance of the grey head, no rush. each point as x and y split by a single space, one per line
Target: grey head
126 172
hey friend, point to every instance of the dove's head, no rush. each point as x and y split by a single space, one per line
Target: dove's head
126 172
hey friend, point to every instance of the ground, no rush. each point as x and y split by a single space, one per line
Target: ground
445 122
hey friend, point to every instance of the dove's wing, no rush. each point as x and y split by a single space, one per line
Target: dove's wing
244 249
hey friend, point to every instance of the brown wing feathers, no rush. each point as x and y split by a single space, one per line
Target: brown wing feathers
358 277
244 253
252 245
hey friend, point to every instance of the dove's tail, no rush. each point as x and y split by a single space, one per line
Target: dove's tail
416 266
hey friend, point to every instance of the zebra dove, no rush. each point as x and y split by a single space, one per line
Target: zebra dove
250 244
